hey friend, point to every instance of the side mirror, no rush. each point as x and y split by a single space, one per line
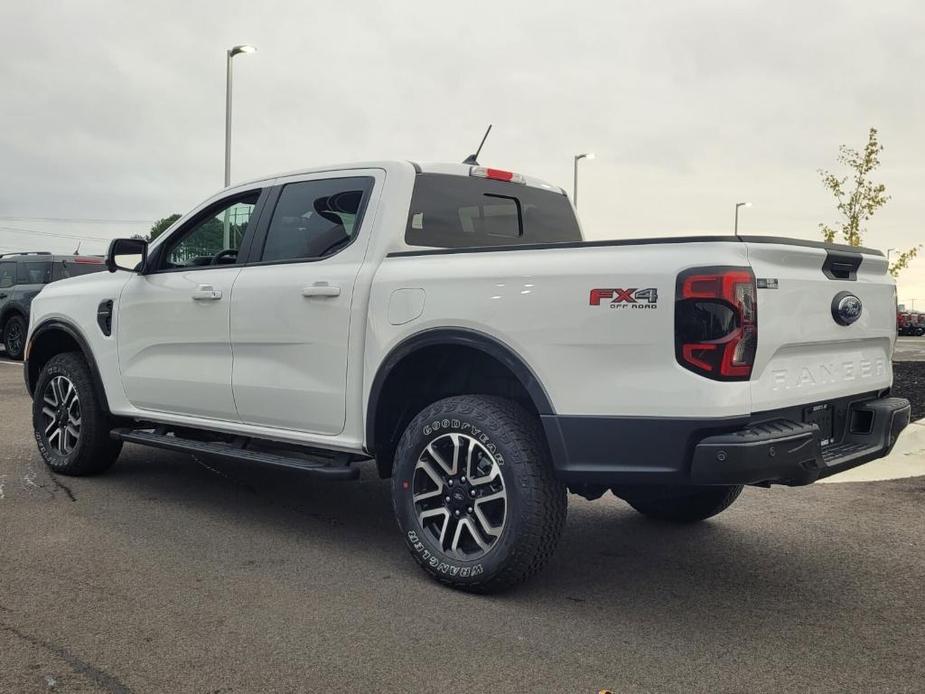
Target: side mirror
126 254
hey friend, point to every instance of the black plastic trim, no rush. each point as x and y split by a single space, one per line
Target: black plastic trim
613 451
73 332
104 317
842 265
641 242
454 336
227 451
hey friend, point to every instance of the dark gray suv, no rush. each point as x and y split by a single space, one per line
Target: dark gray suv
22 276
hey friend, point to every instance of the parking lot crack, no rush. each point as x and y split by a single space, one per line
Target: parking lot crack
99 677
63 487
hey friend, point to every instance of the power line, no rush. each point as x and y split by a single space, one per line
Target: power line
20 230
74 220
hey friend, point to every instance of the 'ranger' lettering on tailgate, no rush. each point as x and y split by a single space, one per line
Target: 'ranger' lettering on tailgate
790 379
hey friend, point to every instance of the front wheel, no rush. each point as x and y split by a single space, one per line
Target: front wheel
14 337
683 504
70 426
474 493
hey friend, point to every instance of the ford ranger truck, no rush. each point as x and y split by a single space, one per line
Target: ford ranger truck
451 323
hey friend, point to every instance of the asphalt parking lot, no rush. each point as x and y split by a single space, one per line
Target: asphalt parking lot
909 349
167 575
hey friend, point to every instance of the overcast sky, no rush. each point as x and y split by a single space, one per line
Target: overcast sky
115 110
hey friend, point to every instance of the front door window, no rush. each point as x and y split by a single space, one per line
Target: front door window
215 239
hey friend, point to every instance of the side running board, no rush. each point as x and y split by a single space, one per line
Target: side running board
330 468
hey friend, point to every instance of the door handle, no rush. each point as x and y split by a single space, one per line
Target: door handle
3 296
321 289
206 292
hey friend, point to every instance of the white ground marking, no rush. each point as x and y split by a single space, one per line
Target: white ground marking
907 459
11 363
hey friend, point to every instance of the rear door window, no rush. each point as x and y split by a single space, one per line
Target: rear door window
450 211
315 219
32 272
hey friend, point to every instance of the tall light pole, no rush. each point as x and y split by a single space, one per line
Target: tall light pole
578 157
738 205
231 53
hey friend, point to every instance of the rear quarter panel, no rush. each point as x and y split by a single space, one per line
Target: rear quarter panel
591 359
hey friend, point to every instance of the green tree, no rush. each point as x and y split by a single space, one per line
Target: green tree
857 197
161 225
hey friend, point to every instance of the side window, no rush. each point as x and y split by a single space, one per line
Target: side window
449 211
314 219
32 272
7 274
213 239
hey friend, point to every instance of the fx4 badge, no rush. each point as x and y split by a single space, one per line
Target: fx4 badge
623 298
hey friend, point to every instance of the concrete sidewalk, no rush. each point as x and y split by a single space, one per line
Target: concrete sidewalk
907 459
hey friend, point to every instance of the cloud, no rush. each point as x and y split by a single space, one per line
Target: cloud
117 109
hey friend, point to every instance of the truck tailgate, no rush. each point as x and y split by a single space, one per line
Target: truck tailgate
805 355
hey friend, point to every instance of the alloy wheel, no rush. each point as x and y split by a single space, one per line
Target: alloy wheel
459 496
61 415
14 338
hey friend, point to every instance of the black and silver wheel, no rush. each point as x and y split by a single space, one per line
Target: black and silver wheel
14 337
70 426
61 415
474 493
681 504
459 496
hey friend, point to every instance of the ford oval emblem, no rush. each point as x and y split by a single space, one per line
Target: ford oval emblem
846 308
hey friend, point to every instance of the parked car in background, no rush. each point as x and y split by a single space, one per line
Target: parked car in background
22 277
910 323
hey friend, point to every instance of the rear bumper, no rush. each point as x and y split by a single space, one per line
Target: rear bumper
768 448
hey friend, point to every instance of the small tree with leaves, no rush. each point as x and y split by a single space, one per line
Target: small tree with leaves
857 197
161 225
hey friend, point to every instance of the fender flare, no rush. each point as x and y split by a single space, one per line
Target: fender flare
457 337
54 324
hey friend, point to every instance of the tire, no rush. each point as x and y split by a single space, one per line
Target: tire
684 504
516 509
14 337
76 441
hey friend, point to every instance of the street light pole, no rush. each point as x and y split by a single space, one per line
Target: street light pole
738 205
230 54
578 157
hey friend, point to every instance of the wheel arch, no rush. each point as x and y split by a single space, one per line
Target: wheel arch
11 310
415 371
56 336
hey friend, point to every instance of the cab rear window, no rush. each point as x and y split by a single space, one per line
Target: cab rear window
450 211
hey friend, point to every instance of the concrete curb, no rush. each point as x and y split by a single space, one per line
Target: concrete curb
907 459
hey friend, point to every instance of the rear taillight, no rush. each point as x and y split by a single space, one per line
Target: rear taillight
716 322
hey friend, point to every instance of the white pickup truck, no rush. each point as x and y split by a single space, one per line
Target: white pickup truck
450 322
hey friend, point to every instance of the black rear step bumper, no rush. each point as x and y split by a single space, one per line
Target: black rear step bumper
776 447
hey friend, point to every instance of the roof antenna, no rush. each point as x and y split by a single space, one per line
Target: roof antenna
473 159
77 250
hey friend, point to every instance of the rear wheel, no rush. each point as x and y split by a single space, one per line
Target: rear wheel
474 493
683 504
14 337
70 426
